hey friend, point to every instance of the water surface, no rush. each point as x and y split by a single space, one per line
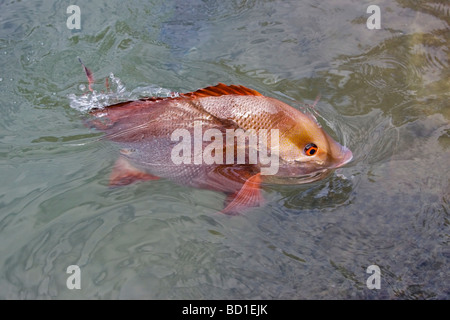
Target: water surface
384 94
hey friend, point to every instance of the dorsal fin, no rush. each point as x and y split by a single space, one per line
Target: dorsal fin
221 90
213 91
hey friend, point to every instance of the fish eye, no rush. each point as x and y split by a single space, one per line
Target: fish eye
310 149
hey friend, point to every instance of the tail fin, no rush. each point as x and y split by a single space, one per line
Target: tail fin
89 74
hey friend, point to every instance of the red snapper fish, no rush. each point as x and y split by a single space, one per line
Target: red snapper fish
226 138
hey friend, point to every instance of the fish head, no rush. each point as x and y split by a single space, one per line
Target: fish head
307 153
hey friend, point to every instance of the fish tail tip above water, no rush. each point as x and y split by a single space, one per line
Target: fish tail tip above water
88 73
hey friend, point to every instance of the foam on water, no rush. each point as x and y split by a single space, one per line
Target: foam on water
117 92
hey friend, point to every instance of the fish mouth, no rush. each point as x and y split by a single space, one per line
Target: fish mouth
346 157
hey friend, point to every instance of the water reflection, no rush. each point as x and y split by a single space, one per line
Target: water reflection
384 94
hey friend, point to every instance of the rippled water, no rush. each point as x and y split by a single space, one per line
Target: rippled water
384 93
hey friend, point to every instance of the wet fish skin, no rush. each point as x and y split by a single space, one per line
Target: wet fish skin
143 129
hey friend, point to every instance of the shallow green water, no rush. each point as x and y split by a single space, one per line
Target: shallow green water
384 94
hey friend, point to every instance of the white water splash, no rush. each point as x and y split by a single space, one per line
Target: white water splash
117 93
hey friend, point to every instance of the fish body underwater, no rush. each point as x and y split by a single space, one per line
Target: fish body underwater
150 133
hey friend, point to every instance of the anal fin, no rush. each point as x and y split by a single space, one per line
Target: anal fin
125 173
248 196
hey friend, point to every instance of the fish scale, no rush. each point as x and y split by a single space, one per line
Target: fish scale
144 127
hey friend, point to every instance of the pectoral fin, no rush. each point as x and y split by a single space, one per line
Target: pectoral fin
248 196
125 173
